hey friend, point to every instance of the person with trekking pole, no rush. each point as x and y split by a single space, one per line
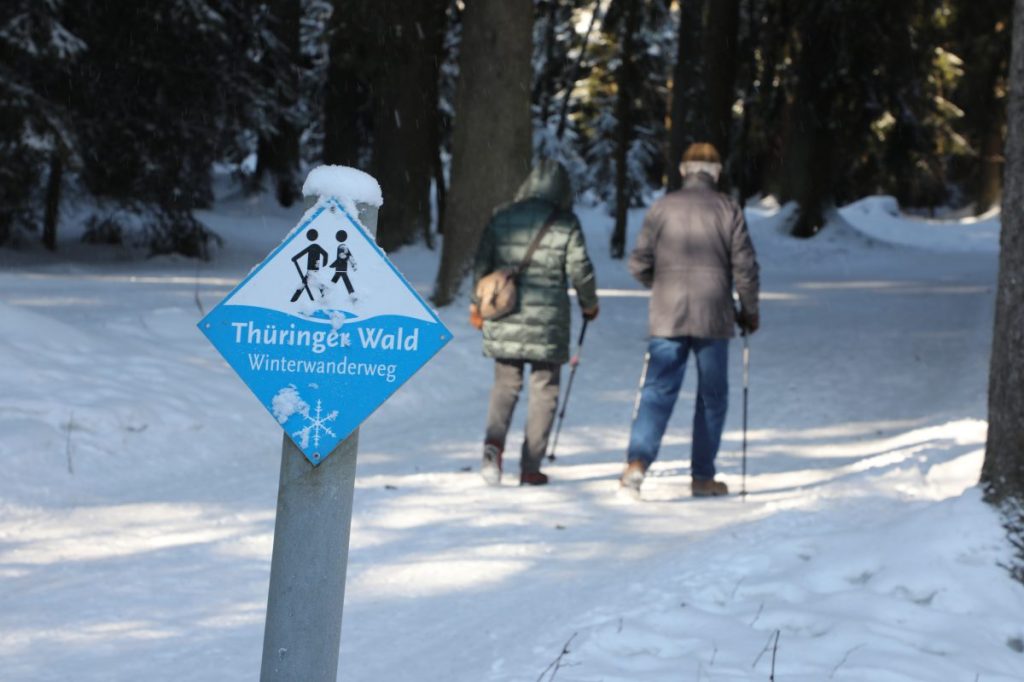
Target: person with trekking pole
693 249
531 249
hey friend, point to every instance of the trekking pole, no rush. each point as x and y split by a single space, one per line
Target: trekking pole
575 362
746 392
640 386
305 284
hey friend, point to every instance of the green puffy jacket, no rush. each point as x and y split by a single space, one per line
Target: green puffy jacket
538 329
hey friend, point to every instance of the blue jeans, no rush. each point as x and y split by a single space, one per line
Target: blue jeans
661 388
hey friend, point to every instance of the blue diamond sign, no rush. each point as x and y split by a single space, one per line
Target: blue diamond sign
325 329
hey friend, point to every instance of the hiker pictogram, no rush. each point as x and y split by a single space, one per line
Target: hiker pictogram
342 261
315 257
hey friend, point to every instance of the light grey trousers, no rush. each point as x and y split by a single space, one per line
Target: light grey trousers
541 406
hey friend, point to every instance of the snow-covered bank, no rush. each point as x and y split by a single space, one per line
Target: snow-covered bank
863 541
881 219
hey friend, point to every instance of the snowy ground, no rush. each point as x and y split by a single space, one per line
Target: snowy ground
140 478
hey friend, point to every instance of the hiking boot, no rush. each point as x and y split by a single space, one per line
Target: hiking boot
490 466
708 488
632 477
533 478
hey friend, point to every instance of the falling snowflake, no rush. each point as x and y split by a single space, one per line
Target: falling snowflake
316 424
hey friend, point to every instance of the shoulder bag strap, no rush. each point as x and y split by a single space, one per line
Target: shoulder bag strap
523 264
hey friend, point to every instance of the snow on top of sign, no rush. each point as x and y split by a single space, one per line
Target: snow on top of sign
344 183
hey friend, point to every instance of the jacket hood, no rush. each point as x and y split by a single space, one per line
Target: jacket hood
549 181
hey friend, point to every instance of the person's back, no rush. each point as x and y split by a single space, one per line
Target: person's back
692 250
538 329
536 332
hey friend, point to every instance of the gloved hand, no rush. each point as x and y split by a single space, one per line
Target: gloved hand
590 314
748 322
474 317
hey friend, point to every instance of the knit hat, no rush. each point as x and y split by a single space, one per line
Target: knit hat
702 151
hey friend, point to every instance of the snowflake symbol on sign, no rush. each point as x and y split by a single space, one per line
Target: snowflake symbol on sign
316 424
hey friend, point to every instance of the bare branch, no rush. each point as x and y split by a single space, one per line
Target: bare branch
768 645
840 663
557 663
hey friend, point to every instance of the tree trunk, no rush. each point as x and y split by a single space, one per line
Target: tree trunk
344 118
720 70
990 179
807 161
989 189
775 39
410 37
491 142
985 122
278 152
812 192
1003 471
687 89
52 211
346 114
807 149
440 191
982 39
742 170
624 116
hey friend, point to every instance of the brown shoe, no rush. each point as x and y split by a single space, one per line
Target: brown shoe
632 477
708 488
533 478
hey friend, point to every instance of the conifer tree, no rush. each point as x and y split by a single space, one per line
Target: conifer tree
37 140
278 153
1003 471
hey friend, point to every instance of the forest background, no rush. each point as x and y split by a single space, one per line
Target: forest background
132 108
122 117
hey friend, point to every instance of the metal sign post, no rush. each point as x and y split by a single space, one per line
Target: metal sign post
302 636
323 331
307 572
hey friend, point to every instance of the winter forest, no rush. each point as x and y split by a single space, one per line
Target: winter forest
820 102
153 152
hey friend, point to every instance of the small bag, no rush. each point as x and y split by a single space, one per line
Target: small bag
497 292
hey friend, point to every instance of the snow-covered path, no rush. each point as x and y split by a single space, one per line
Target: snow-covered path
857 543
